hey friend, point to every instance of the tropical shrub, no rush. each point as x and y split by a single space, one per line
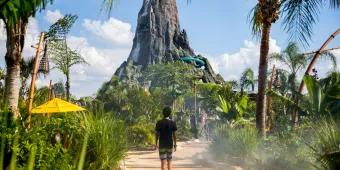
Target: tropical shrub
107 142
235 141
326 143
184 126
284 151
51 143
141 134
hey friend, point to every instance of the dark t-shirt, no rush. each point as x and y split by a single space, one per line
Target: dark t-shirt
165 129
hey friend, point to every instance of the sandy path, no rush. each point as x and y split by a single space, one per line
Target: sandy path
189 156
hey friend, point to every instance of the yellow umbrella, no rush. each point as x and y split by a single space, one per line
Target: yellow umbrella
57 106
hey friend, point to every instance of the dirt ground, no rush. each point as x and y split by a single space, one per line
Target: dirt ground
190 155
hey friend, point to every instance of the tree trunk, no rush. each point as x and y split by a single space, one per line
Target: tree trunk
262 80
67 86
294 112
14 44
269 101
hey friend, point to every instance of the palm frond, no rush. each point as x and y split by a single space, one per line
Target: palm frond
330 57
314 92
285 100
13 11
255 19
108 5
61 28
299 18
276 57
334 3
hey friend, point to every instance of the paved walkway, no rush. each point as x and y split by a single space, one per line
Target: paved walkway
189 156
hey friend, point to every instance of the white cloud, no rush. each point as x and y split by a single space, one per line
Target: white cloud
113 31
2 44
103 62
53 16
231 66
85 79
32 38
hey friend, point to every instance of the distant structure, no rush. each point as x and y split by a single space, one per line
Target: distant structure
158 39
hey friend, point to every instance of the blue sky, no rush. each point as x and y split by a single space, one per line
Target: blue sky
219 29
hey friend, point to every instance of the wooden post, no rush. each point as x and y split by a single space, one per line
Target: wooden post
34 76
195 98
50 91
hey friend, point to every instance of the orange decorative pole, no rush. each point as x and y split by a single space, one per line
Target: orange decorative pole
50 91
325 50
34 76
316 57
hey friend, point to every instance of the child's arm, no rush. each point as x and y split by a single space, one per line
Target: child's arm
156 137
175 138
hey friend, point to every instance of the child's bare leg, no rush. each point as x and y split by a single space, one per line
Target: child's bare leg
169 164
163 162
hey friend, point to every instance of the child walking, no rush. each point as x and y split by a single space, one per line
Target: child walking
166 138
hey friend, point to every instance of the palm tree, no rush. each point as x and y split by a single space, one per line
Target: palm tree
265 13
64 61
15 15
26 69
247 79
61 55
295 61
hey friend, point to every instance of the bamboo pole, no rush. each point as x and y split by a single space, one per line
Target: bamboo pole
316 57
34 76
50 91
325 50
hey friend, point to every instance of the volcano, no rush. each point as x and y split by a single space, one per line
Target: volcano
159 39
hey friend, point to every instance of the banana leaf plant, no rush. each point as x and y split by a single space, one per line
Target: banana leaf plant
233 110
323 97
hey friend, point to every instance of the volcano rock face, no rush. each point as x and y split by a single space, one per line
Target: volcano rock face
159 39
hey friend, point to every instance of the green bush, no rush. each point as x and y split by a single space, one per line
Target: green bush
107 143
184 131
235 141
326 143
37 147
57 142
141 135
284 151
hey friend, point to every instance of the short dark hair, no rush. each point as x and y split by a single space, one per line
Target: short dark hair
167 111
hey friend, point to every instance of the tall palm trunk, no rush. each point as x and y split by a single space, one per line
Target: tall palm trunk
295 98
262 79
14 44
67 86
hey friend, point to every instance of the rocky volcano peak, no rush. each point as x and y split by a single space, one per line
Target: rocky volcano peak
159 39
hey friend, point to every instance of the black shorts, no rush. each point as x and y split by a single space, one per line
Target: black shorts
165 154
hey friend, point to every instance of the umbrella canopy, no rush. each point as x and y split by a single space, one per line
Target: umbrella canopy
57 106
